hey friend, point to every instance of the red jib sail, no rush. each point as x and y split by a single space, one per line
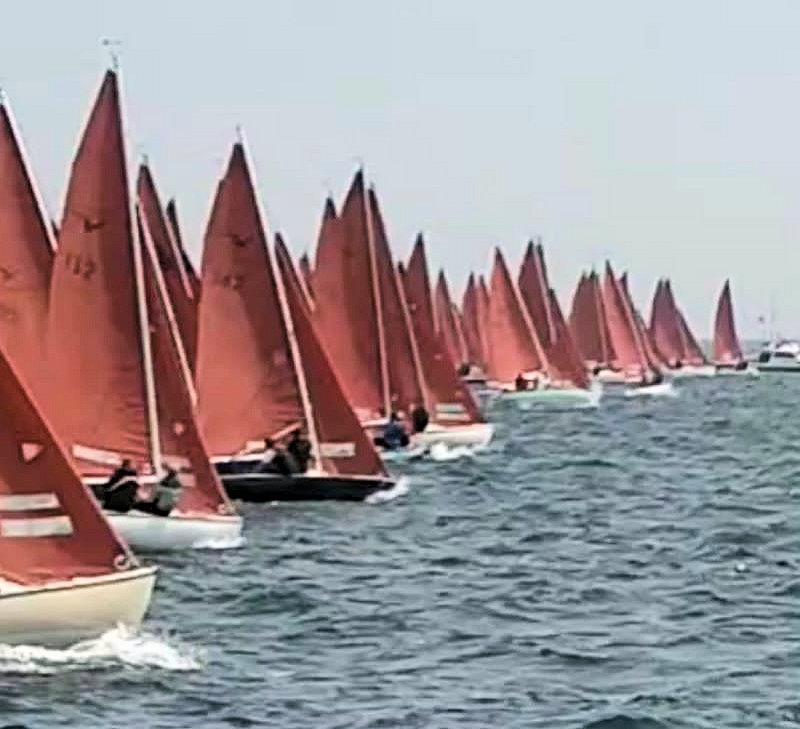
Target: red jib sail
648 348
347 305
447 399
446 323
664 324
179 287
246 385
587 321
343 445
471 316
727 349
562 354
50 527
513 344
182 446
622 327
693 354
171 213
405 373
26 256
307 278
96 394
533 287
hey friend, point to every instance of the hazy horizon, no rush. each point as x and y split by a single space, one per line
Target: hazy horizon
661 137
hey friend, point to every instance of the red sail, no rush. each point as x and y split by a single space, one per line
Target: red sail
96 394
172 220
182 446
664 325
50 527
562 354
448 399
179 287
692 354
405 374
474 333
343 445
346 312
246 383
533 286
583 324
647 347
621 327
26 257
446 323
514 347
307 278
727 349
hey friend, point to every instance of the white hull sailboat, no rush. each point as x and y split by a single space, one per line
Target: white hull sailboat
61 613
150 533
471 435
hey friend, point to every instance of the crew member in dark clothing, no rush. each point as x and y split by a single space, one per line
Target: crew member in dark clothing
520 383
300 450
165 495
119 492
419 418
276 460
394 435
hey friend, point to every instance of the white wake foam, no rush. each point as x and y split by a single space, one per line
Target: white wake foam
441 452
223 543
120 646
381 497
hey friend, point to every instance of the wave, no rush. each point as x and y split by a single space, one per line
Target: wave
441 452
381 497
225 543
119 646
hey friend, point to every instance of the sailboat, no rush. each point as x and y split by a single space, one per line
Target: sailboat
728 356
261 371
65 575
517 360
120 390
673 337
589 329
566 366
448 322
455 418
640 372
474 311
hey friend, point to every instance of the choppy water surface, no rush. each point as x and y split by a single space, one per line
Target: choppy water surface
634 566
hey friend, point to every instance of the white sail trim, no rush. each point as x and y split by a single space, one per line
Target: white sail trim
337 450
96 455
29 502
46 526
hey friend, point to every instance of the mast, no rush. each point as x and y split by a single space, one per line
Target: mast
376 295
288 323
43 214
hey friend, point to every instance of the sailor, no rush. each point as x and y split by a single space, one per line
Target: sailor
419 418
520 383
164 496
119 492
275 460
394 435
299 449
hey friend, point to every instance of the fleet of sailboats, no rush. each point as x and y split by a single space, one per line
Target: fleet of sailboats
116 355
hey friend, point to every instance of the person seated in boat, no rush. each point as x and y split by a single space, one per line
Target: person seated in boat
276 460
119 492
464 369
164 496
419 418
520 383
394 435
299 448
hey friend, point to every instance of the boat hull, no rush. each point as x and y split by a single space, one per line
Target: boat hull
265 487
610 377
150 533
570 398
731 371
693 371
474 435
64 613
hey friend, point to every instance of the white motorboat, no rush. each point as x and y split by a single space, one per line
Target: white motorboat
781 356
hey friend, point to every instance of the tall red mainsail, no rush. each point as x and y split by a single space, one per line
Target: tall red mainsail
50 527
534 287
347 305
307 277
447 398
96 393
474 332
26 256
664 324
562 354
178 283
513 345
171 213
246 383
727 349
622 327
587 321
446 323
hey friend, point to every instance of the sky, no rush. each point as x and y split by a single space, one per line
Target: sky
663 136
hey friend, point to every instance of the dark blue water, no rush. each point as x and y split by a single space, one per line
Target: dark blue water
630 567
